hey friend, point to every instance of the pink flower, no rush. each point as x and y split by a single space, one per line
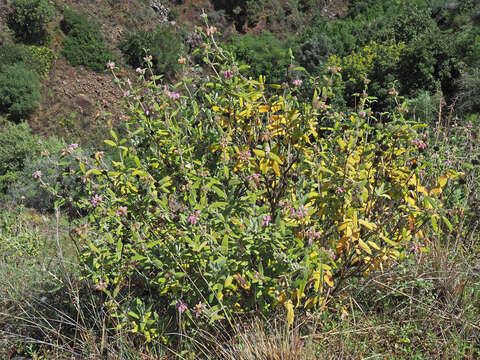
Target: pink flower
110 65
297 82
340 190
100 286
181 306
227 74
97 200
72 147
37 174
127 93
254 177
211 30
122 210
129 82
99 155
193 219
198 309
173 95
266 220
140 71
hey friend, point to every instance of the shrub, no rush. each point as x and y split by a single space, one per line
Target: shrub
17 144
28 19
11 54
163 44
265 54
84 44
228 201
469 92
19 90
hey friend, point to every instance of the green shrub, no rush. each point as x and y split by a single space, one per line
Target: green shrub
17 144
228 201
55 163
265 54
19 90
28 19
41 59
11 54
163 44
84 44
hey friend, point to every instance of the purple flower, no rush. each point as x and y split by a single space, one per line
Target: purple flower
37 174
254 177
173 95
193 219
227 74
340 190
244 156
181 306
129 82
122 210
198 309
297 82
110 65
72 147
97 200
266 220
127 93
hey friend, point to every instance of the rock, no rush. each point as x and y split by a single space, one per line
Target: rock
83 101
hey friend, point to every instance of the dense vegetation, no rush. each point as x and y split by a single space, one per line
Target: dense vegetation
312 175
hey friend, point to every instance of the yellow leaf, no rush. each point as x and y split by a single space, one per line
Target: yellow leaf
328 278
263 108
290 312
368 225
276 168
364 246
374 245
442 181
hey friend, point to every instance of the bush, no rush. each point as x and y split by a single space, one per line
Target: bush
228 201
28 19
17 144
19 90
163 44
84 44
265 54
11 54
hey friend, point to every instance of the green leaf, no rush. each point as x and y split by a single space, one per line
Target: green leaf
110 142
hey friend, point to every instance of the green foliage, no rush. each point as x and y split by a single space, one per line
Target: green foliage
28 19
41 59
17 144
16 240
163 44
265 54
19 90
469 92
84 44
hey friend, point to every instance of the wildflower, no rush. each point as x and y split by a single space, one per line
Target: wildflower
266 220
198 309
100 286
301 213
181 306
227 74
122 210
148 58
97 200
140 71
340 190
72 147
182 61
297 82
254 177
129 82
37 174
173 95
126 93
193 219
211 30
110 65
244 156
